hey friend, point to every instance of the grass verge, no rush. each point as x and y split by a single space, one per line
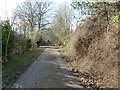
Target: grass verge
14 68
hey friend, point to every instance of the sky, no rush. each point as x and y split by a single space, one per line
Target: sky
7 6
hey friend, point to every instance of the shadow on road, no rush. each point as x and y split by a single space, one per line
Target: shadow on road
58 76
49 71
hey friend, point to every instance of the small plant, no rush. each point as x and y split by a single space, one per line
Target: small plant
117 17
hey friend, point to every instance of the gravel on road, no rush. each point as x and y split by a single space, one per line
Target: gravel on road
48 71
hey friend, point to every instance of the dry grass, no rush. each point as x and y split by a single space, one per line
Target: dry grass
94 50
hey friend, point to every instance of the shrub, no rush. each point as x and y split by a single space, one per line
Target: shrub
8 39
29 43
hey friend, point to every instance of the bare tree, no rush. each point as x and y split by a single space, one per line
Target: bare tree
33 15
42 13
62 22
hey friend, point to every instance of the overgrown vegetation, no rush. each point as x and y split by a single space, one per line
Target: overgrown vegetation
8 40
12 44
93 48
17 52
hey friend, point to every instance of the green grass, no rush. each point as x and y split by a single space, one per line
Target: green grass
20 61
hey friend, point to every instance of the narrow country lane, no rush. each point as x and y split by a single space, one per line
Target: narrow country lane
48 71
